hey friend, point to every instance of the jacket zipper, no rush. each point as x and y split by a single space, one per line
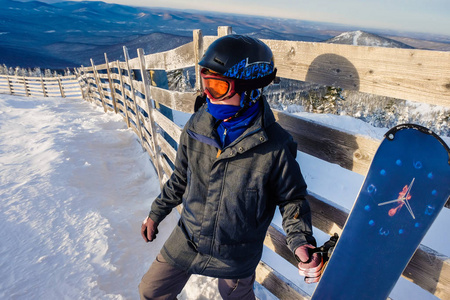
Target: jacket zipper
223 143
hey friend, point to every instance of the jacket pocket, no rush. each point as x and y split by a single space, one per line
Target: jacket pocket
245 209
252 206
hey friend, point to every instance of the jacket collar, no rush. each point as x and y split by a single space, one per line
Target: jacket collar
201 127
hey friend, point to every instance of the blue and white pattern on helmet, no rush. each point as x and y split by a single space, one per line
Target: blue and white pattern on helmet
244 70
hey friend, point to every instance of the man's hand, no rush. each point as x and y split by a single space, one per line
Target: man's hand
149 230
309 266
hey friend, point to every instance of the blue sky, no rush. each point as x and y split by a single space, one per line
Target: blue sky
429 16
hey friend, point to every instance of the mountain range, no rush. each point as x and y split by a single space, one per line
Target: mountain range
55 34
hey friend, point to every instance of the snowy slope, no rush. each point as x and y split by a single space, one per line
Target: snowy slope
362 38
75 186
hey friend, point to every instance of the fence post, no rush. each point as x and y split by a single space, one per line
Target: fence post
61 87
25 85
133 96
147 92
159 79
88 85
44 92
80 79
124 97
198 52
223 30
97 81
112 91
9 85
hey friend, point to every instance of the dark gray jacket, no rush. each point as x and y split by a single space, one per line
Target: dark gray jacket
229 200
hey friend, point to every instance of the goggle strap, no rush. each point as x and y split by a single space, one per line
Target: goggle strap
199 101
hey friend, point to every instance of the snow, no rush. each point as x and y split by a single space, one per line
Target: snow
75 186
356 37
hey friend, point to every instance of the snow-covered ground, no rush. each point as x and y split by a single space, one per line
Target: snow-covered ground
75 185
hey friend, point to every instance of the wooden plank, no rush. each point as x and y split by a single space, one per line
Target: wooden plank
178 58
9 85
116 86
223 31
198 53
104 85
417 75
149 151
431 271
113 91
179 101
128 93
102 76
126 79
168 126
25 85
151 125
276 241
61 87
141 102
72 88
132 117
97 83
122 90
328 218
122 65
101 67
352 152
5 90
115 76
165 167
83 81
43 87
133 63
139 86
277 284
208 40
35 89
166 148
133 95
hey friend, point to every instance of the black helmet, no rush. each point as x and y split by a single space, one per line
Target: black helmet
244 58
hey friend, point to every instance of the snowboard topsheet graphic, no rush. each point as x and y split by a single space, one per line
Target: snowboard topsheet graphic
406 187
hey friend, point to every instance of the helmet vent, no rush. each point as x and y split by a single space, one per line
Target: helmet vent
219 61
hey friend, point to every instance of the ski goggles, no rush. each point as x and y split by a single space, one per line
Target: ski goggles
217 86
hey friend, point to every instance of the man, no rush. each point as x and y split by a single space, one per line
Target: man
234 165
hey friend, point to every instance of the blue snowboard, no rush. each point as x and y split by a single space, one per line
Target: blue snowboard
407 185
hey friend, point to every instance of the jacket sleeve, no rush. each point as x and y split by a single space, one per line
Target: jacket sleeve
290 191
173 190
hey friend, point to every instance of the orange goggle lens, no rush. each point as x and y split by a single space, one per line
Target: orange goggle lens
217 86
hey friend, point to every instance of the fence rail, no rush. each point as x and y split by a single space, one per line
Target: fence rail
129 88
61 86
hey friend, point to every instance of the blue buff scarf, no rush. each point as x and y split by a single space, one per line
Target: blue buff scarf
230 130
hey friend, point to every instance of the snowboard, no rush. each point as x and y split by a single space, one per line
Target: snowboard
407 185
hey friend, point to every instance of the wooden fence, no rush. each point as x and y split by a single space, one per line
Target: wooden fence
61 86
423 76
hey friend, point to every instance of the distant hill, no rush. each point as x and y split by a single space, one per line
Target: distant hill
39 34
362 38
